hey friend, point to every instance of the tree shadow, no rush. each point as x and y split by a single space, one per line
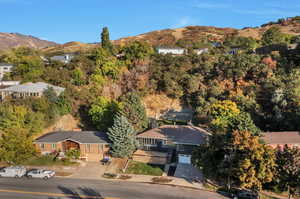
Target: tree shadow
80 193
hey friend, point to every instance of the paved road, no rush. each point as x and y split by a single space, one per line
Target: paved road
62 188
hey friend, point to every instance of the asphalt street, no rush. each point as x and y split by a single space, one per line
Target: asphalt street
67 188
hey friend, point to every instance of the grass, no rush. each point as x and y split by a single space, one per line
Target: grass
48 160
140 168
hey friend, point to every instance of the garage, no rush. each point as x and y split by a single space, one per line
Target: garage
184 159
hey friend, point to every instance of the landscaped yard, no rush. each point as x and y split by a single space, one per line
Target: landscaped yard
48 160
144 169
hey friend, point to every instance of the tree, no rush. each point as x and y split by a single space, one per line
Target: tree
133 109
102 112
221 113
136 51
16 146
237 158
122 136
78 77
105 40
273 36
255 161
288 169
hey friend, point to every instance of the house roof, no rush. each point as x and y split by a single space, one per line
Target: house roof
287 137
177 133
6 64
83 137
64 58
32 87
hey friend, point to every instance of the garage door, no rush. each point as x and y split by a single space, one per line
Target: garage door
184 159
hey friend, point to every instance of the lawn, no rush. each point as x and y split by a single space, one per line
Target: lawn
144 169
48 160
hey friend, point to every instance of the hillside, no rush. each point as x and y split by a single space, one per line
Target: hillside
11 40
171 37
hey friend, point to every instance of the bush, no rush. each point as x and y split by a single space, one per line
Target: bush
110 175
161 180
73 154
48 160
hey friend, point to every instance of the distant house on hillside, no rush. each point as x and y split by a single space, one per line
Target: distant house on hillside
93 145
28 90
5 68
173 51
9 83
201 51
66 58
275 139
181 139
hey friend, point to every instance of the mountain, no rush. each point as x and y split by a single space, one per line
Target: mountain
11 40
171 37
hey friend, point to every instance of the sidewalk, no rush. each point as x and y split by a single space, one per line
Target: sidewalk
175 181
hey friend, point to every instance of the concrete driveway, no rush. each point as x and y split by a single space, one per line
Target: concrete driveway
90 170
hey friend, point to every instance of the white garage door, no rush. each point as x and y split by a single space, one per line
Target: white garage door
184 159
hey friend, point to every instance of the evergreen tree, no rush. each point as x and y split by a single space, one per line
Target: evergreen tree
133 109
123 138
105 41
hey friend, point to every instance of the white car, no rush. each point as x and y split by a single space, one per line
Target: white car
40 173
13 171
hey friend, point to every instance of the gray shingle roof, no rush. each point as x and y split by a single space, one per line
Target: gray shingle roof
33 87
83 137
179 134
5 64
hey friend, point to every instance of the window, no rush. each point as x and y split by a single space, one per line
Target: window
42 146
53 146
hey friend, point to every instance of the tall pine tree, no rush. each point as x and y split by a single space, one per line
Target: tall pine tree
123 137
133 109
105 41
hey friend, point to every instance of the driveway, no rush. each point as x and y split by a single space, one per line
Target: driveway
90 170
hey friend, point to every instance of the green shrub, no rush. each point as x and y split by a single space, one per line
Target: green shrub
143 169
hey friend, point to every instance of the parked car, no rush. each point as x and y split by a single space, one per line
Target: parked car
13 171
40 173
243 194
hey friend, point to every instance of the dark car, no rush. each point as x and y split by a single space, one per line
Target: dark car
106 161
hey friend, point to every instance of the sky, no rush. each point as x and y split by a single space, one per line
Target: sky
82 20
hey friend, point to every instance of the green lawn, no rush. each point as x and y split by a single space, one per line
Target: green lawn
143 169
48 160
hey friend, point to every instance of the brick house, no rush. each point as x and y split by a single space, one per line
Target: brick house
93 145
275 139
178 140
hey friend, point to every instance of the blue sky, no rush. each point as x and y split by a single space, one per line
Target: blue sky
81 20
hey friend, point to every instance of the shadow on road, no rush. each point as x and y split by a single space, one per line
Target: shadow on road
80 193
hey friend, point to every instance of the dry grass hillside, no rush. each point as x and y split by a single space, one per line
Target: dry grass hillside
12 40
169 37
156 105
69 47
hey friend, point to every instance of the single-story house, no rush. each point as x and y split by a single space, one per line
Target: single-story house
93 145
28 90
201 51
5 68
66 58
179 139
173 51
275 139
